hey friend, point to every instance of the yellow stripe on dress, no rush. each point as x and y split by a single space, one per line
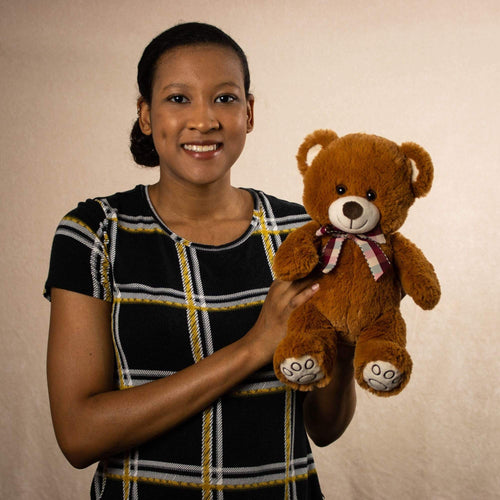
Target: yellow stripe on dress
266 235
195 340
190 305
212 487
207 453
193 307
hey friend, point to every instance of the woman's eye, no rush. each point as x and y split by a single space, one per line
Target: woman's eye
341 189
371 195
225 98
178 99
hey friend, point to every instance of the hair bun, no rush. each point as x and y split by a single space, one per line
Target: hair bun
142 147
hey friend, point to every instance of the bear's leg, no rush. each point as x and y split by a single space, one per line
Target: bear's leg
304 358
382 364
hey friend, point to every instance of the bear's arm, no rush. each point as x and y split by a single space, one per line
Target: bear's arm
416 273
298 255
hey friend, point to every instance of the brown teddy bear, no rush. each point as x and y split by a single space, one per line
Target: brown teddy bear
357 190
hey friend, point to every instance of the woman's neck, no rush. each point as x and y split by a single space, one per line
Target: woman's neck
212 214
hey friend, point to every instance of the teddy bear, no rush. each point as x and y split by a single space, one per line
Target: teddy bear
357 190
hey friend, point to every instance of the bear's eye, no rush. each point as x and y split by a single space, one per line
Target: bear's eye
371 195
341 189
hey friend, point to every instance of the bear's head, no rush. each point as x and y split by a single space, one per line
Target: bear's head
359 181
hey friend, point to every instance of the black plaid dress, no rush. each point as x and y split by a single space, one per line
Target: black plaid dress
174 303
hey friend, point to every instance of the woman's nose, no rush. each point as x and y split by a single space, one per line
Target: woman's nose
203 118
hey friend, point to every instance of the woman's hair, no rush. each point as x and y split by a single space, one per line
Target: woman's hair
141 145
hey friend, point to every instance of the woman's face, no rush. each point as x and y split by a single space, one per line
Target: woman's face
199 114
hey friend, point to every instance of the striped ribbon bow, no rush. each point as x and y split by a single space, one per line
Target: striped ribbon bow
369 243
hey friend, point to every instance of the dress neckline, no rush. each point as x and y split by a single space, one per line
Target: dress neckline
179 239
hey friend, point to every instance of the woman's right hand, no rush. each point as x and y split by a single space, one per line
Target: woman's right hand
271 325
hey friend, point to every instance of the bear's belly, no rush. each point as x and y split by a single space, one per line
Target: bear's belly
350 298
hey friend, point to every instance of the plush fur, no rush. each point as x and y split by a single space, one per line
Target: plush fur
378 178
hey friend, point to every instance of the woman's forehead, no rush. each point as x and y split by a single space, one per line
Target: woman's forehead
197 63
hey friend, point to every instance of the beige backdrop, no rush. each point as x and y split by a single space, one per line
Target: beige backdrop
419 70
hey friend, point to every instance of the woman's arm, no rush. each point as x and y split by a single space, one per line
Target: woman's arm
329 410
92 420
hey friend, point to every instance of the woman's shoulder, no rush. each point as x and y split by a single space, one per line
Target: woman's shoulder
281 214
93 211
279 205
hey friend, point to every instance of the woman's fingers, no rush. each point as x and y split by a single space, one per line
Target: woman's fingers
282 299
292 294
303 295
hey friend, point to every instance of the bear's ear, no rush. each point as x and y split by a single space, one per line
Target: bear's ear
423 170
321 138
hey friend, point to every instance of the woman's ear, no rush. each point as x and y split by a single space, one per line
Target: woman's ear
250 115
423 169
316 141
144 116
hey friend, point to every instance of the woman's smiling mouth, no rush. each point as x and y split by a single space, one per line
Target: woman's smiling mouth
201 148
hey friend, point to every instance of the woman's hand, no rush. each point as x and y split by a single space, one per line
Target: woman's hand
270 327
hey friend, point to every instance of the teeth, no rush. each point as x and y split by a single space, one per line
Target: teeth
200 149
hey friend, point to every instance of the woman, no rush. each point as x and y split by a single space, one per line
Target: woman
167 291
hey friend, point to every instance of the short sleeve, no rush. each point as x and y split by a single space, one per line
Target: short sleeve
79 259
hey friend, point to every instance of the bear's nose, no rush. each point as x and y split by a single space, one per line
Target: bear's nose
352 210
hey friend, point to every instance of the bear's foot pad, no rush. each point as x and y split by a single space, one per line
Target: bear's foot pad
303 370
382 376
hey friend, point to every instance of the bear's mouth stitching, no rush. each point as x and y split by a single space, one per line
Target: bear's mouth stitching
360 227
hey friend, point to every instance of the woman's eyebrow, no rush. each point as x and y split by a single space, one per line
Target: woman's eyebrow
176 86
185 86
228 84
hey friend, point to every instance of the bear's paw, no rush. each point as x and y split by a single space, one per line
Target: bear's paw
382 376
303 370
